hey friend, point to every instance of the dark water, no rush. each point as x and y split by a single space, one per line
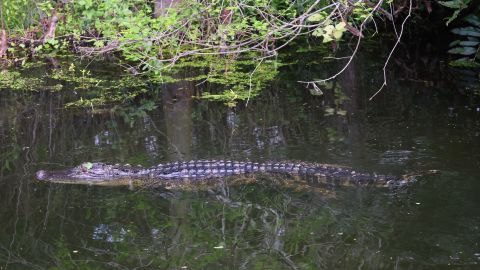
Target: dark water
421 121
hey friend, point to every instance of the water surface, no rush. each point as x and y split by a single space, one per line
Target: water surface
421 121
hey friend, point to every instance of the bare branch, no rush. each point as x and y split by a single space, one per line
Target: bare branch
393 50
350 58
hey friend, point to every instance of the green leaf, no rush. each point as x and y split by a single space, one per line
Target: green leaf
339 29
469 43
87 165
456 4
473 39
464 63
327 38
463 50
329 29
453 17
318 32
99 44
337 34
467 31
316 17
473 19
454 43
340 26
52 41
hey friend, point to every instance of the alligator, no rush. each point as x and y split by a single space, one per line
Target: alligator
199 170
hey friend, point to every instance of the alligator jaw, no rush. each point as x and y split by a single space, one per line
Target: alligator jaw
42 175
94 174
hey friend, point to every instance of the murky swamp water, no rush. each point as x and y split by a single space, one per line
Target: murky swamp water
421 121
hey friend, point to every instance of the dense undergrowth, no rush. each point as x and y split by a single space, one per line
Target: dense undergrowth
235 44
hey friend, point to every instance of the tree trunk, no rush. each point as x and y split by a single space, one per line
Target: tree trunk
52 25
3 43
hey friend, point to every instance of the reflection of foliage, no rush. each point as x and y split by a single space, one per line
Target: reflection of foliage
15 81
251 226
91 90
169 230
34 78
334 135
468 79
8 157
100 90
101 97
64 258
339 97
238 79
131 113
82 78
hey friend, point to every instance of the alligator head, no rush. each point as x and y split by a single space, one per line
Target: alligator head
94 173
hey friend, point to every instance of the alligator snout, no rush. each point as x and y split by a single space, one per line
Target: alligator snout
42 175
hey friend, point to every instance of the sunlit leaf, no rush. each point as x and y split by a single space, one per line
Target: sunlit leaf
327 38
316 17
318 32
337 34
340 26
329 29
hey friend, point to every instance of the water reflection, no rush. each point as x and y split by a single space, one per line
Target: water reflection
266 222
178 107
109 233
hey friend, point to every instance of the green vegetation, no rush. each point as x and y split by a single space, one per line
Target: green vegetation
466 46
237 44
153 37
465 49
231 40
